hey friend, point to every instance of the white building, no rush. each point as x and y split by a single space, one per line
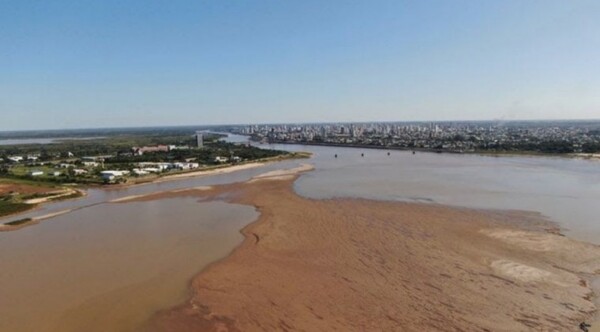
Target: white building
79 171
90 163
138 171
159 166
36 173
15 159
111 175
184 166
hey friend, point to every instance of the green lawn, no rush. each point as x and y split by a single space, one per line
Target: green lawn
25 170
11 180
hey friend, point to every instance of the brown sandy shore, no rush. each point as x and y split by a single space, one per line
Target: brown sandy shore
362 265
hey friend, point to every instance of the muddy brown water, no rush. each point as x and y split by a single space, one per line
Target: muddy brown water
110 266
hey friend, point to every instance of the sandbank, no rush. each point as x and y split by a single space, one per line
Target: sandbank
364 265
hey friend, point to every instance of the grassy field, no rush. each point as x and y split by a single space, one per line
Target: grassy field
27 182
8 207
14 191
23 171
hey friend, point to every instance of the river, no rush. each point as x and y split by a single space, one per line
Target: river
108 266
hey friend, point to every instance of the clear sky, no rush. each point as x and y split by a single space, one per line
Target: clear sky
73 64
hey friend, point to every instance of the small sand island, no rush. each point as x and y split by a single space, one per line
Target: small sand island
364 265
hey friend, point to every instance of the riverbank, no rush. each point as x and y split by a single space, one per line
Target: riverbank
69 193
585 156
213 170
18 196
356 264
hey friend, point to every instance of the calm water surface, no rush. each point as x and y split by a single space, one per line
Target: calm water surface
110 266
563 189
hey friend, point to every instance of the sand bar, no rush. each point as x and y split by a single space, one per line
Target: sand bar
363 265
223 170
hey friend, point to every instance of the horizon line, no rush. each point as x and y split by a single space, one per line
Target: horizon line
296 123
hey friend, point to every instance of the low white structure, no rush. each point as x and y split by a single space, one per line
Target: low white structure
111 175
160 166
138 171
36 173
184 166
79 171
15 159
180 147
90 163
219 159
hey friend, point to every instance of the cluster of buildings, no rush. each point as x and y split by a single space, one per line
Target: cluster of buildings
544 136
138 151
146 168
112 168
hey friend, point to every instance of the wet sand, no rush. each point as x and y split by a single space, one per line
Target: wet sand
363 265
213 171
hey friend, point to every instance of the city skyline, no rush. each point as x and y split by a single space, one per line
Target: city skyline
70 65
495 122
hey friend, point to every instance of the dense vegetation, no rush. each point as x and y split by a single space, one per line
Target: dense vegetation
117 154
552 147
204 156
98 146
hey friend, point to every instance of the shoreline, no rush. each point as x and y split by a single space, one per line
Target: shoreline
575 155
234 293
66 194
82 190
215 170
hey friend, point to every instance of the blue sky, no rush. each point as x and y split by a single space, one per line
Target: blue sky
73 64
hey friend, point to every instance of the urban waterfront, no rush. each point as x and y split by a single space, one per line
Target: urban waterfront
555 137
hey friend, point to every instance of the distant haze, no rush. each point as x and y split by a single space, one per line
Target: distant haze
83 64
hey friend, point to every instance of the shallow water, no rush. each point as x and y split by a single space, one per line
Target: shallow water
105 194
563 189
110 266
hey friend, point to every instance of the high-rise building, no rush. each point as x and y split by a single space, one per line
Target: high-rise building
199 139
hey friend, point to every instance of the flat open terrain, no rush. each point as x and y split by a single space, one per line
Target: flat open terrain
22 187
362 265
13 193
